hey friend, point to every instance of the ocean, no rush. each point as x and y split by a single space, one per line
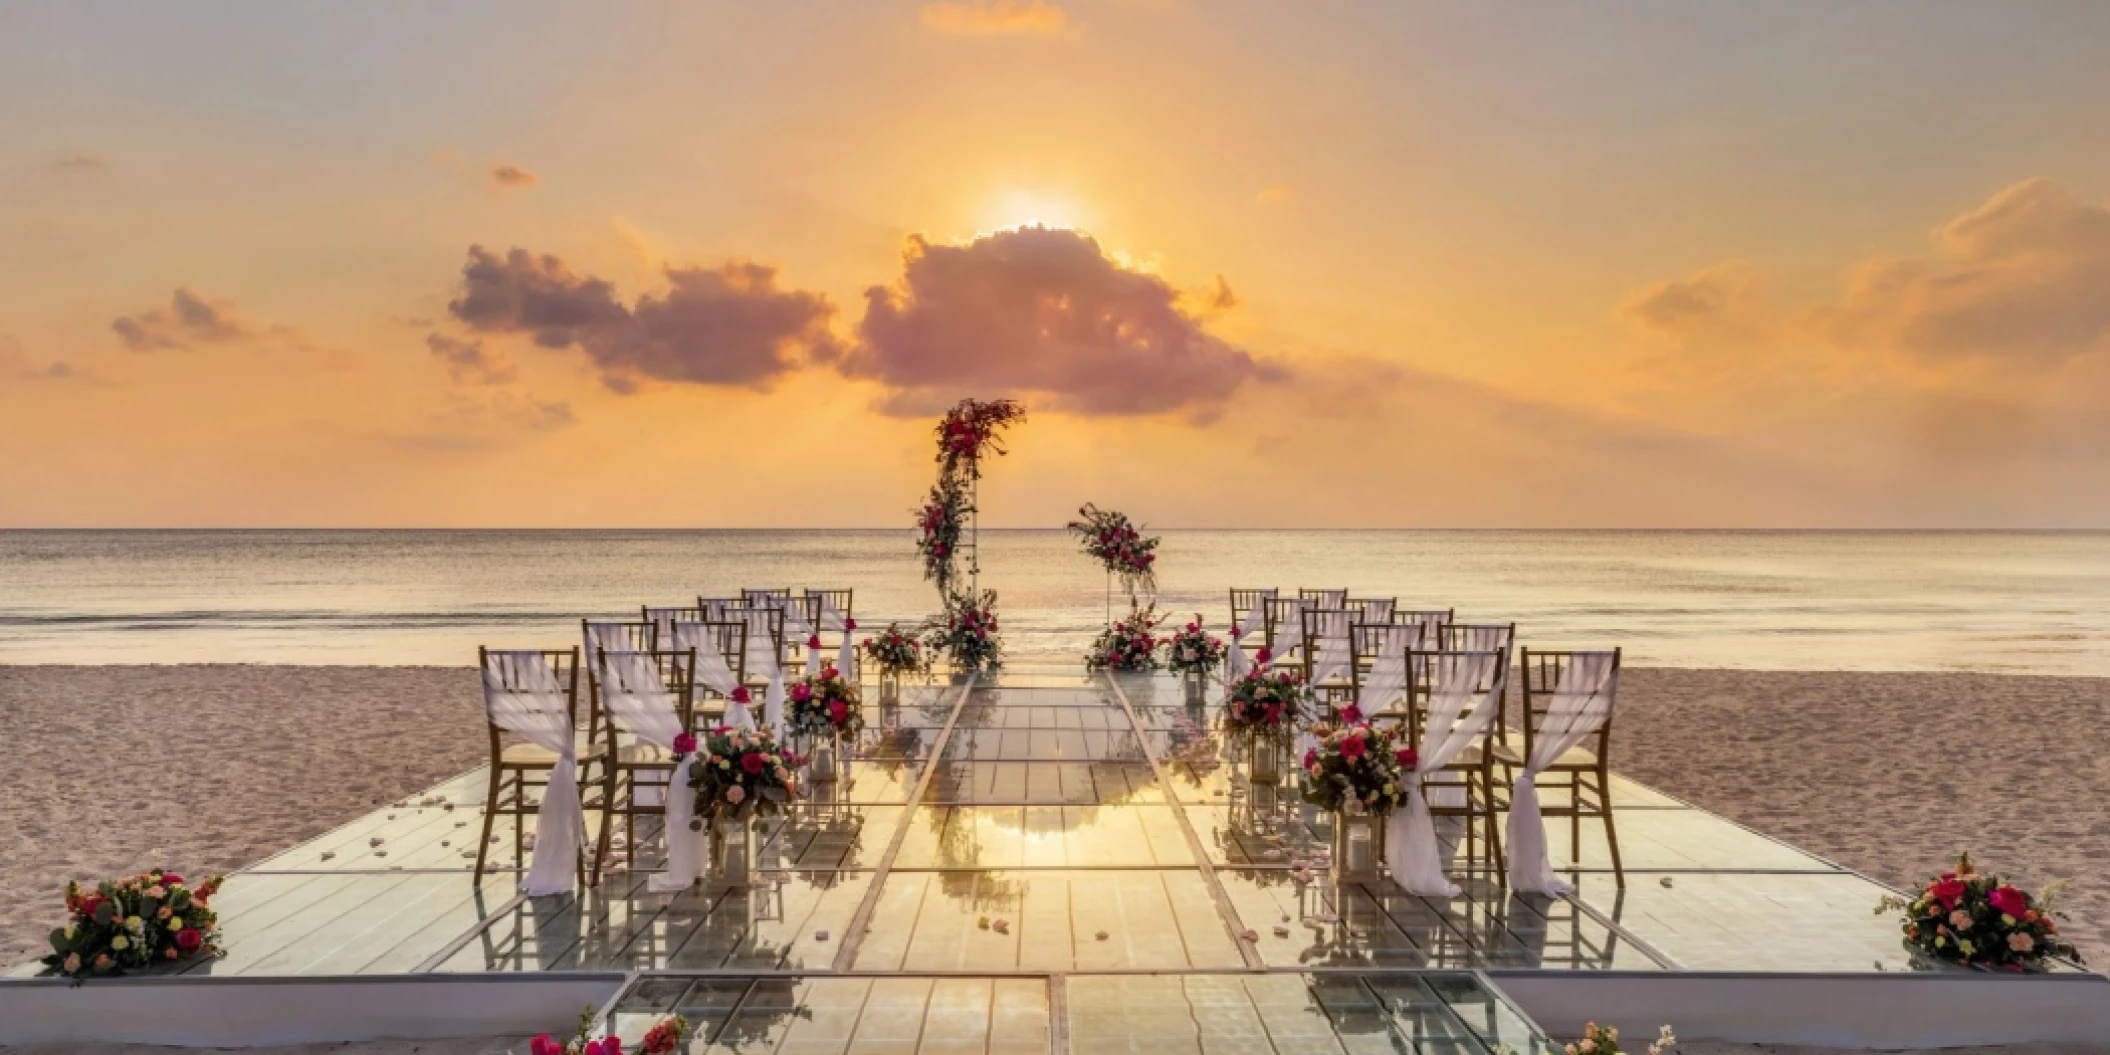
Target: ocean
2021 602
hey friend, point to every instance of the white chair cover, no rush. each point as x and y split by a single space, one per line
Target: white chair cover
1431 624
1379 609
1289 632
833 618
1331 599
604 636
663 620
1386 682
640 704
521 695
1582 702
1459 713
1330 654
762 660
795 624
712 671
1236 663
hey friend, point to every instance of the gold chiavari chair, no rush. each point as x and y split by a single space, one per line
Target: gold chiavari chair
1487 637
663 619
1430 620
629 758
1372 609
1472 772
728 641
517 769
1245 604
1283 614
1327 652
1324 598
1583 772
1368 643
621 635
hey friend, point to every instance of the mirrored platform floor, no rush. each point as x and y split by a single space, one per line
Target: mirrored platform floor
1040 823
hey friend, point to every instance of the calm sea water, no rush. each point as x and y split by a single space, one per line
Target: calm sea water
1991 601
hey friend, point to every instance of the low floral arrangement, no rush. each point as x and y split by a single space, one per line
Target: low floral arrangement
1356 769
968 632
895 651
1111 539
1604 1040
1194 650
134 923
664 1038
1129 644
1976 920
822 702
1266 703
745 773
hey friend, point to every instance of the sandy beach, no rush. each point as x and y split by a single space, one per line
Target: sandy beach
252 759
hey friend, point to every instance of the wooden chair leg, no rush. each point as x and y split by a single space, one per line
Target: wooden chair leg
520 824
1611 832
483 843
600 849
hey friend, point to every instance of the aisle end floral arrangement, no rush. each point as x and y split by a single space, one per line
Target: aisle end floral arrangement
1357 769
664 1038
895 651
1975 920
1194 650
1129 644
134 923
823 702
1266 703
745 773
968 631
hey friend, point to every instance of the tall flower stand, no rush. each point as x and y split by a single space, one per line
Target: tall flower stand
1194 686
823 756
733 852
889 688
1358 847
1264 759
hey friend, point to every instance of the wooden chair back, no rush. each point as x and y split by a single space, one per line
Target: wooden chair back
563 665
1542 672
1245 604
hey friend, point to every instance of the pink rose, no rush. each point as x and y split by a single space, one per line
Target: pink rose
188 939
752 762
1352 747
802 692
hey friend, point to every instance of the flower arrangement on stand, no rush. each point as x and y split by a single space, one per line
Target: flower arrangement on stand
1128 645
939 525
968 632
1359 773
1126 553
824 710
894 652
1261 713
745 774
1604 1040
135 923
1195 654
664 1038
1974 920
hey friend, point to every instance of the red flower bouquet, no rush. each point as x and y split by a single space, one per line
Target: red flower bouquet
1357 769
745 773
133 923
823 703
1126 645
894 651
1109 538
1193 650
1975 920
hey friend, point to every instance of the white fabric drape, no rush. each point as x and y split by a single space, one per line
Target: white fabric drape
762 660
1330 654
1431 624
1379 610
833 618
1236 663
602 636
1289 626
1582 702
712 672
663 620
1386 682
1332 598
521 695
1459 713
639 703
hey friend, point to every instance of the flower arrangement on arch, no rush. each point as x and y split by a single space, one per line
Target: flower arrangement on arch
823 702
1964 917
968 631
1193 650
744 773
895 651
971 428
664 1038
134 923
1130 644
939 525
1111 539
1266 703
1357 769
1604 1040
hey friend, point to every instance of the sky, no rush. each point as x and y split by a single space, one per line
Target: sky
1249 264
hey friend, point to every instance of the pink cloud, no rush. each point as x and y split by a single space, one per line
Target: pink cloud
469 361
1045 313
188 320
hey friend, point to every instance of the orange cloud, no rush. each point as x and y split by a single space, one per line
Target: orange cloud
2023 278
469 361
189 320
1045 312
508 176
1717 299
991 17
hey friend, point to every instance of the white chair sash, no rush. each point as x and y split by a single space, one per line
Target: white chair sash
833 618
1331 599
602 636
1236 663
521 696
663 620
1582 703
762 660
1379 610
1459 713
1330 653
712 672
639 703
1386 682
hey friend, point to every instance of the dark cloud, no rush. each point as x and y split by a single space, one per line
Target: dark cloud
469 361
188 320
1716 299
15 365
504 176
730 325
1045 313
2024 277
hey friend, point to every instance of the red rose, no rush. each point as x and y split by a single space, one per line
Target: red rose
1351 713
171 878
740 694
849 624
684 744
837 711
188 939
1406 758
1263 657
2009 901
813 641
1352 748
751 762
1948 890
